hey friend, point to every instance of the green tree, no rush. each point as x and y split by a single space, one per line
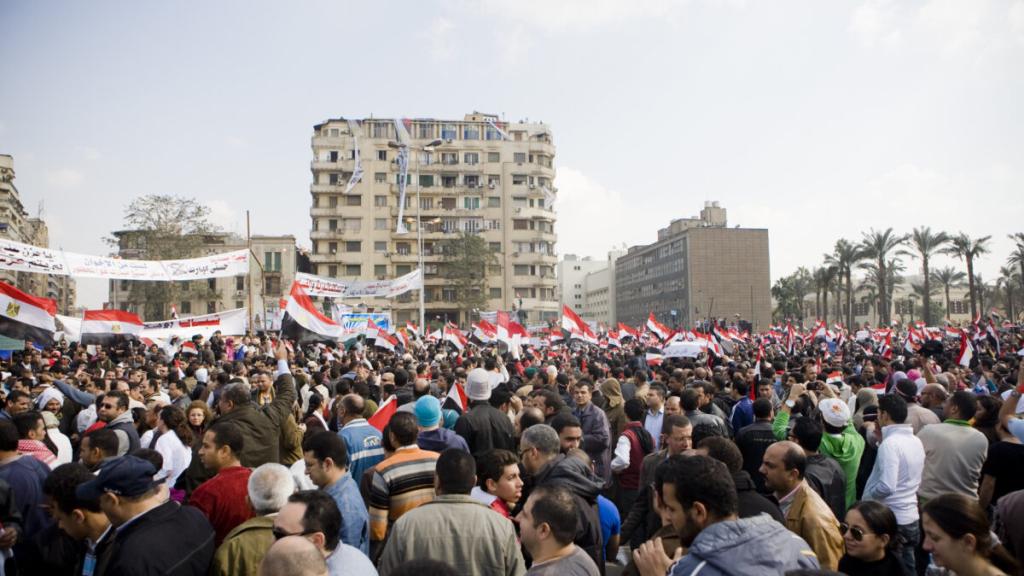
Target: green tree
967 249
877 246
1008 282
824 281
164 227
926 243
948 278
845 255
1017 256
465 260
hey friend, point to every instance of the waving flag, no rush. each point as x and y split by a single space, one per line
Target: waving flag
454 336
108 327
456 399
819 330
25 317
628 332
657 328
303 323
963 358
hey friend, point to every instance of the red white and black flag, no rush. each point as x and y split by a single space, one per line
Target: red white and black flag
659 329
303 323
25 317
108 327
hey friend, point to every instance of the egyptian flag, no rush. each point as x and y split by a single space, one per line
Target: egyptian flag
456 399
107 327
24 317
819 330
993 336
576 327
760 355
790 338
381 338
384 413
654 356
454 336
628 332
303 323
659 329
613 339
963 358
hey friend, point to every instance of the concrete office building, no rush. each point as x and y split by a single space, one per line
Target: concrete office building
486 177
572 273
599 292
698 268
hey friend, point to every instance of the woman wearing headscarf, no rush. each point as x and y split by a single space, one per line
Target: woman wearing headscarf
612 392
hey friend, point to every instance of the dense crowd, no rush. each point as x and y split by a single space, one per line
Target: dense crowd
257 456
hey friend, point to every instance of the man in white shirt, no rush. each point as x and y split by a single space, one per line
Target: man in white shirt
655 417
897 473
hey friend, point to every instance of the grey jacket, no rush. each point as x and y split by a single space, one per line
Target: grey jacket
757 546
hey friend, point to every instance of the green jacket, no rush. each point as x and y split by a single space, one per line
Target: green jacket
846 449
244 547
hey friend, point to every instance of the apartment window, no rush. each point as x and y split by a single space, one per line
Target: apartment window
274 262
495 293
491 133
380 246
494 246
424 131
238 304
520 225
521 270
332 202
449 181
524 292
211 283
448 132
519 179
211 307
403 248
380 177
493 180
494 201
380 201
353 246
333 132
380 270
124 285
427 180
471 133
402 269
493 224
494 270
449 158
448 203
470 203
408 179
333 155
185 286
332 224
332 247
332 271
448 294
471 180
381 130
352 224
353 269
332 178
471 158
185 308
239 282
382 155
494 157
380 223
426 203
519 157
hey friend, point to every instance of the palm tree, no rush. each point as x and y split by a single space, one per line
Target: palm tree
802 283
824 281
870 297
967 249
1017 258
877 246
924 293
984 292
948 278
845 255
1006 281
925 243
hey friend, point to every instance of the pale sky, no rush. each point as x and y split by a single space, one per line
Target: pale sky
816 120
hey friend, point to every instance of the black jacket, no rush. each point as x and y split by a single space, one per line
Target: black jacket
753 441
171 540
827 478
750 502
484 428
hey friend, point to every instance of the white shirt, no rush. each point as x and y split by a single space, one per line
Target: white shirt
621 459
349 561
63 443
176 455
897 473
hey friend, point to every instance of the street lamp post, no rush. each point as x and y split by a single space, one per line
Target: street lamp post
419 221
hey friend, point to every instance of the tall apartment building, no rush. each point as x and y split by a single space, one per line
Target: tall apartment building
486 177
572 272
16 225
698 268
271 272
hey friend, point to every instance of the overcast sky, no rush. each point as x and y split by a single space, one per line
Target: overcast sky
816 120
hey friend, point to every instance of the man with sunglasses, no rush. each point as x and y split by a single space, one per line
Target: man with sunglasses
807 515
314 515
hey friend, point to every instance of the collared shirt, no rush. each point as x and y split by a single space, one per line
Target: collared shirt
355 520
896 477
786 501
653 422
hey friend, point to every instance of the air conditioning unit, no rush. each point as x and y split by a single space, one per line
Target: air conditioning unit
334 251
492 185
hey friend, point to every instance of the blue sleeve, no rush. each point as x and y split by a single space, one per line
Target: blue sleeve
78 396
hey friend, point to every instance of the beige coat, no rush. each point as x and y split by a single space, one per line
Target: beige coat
810 518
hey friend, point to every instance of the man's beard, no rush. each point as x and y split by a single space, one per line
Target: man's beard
690 530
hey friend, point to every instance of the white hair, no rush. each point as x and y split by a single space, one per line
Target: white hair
269 487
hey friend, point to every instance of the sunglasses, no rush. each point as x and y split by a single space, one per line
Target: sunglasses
857 533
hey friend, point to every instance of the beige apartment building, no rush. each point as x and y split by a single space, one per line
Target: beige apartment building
16 225
272 266
699 268
485 176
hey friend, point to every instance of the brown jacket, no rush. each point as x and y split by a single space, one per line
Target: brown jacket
244 547
810 518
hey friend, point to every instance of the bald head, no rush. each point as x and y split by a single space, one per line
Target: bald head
783 467
293 556
353 406
933 395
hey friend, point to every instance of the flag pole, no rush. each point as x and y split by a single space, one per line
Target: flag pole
248 243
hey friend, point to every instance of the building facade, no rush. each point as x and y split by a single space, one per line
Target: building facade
599 292
272 266
572 273
697 269
17 225
485 177
906 305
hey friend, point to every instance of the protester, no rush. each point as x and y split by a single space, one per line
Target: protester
432 436
243 549
956 534
222 498
362 441
643 520
548 526
823 474
499 485
872 542
754 439
633 446
293 556
314 515
483 426
954 451
326 461
98 447
82 520
748 501
594 424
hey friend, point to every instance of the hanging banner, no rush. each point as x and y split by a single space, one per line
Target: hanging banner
334 288
355 324
228 322
26 258
357 172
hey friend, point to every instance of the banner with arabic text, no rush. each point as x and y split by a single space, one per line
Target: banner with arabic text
334 288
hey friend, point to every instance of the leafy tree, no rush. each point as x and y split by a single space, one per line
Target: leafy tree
967 249
1017 256
948 278
164 227
845 255
1007 281
465 260
877 245
926 243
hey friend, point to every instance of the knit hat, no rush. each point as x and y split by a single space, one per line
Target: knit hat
428 411
906 389
478 384
835 412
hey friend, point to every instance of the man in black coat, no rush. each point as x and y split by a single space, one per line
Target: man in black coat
483 426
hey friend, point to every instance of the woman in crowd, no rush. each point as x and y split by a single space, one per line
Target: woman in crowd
173 443
956 533
199 417
869 533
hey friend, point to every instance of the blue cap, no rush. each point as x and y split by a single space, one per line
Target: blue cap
428 411
450 418
124 476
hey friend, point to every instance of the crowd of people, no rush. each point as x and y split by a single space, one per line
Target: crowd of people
260 456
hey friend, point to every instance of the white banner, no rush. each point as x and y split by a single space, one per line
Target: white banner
334 288
228 323
26 258
683 350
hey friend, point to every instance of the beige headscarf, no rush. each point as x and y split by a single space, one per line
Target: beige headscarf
865 397
612 392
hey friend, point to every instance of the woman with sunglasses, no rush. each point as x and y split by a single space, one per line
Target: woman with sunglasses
957 534
869 533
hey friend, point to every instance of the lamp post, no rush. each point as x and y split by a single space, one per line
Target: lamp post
419 222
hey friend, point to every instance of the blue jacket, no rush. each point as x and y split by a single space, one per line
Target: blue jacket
757 546
364 446
355 519
441 439
742 414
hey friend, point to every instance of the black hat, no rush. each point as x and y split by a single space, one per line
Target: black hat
125 476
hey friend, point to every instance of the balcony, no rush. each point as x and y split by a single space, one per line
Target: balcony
533 212
333 234
320 211
328 188
341 164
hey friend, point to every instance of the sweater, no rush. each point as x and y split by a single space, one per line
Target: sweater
954 455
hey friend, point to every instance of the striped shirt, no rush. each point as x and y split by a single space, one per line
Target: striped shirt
364 446
400 483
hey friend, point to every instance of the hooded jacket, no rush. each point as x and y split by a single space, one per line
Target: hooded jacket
845 448
757 546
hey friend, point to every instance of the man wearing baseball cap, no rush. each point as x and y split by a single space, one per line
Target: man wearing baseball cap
152 535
